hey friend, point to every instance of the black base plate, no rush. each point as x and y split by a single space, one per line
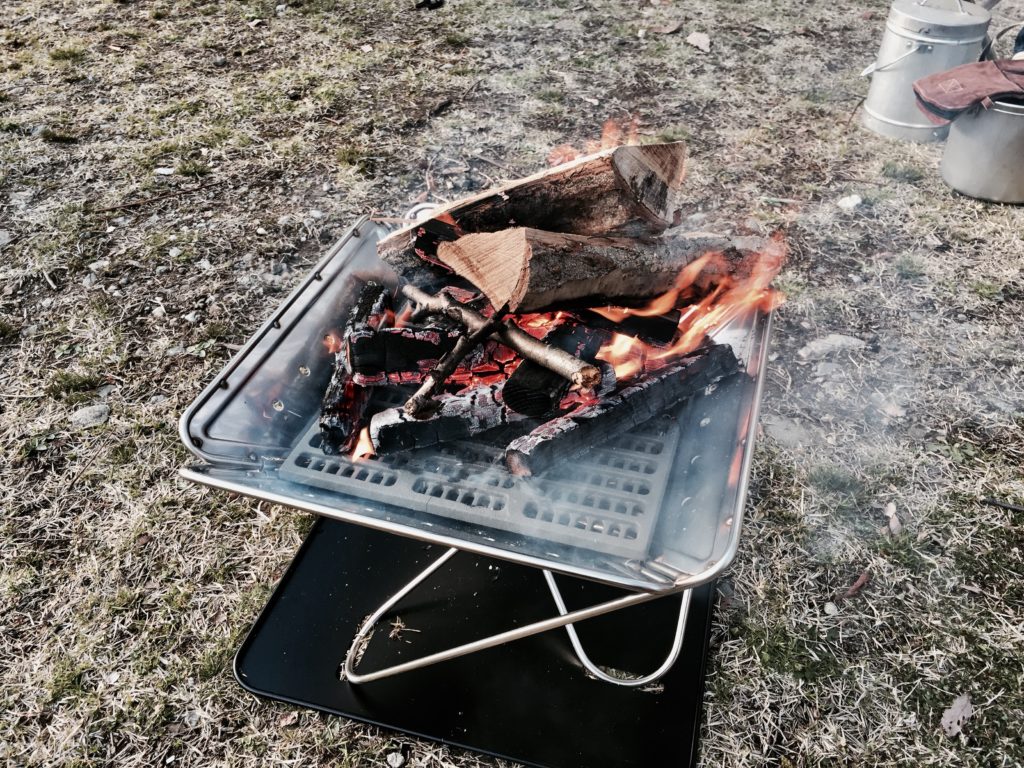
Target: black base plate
529 701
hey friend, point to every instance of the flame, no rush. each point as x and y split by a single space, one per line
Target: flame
613 134
625 354
364 446
332 342
732 296
404 317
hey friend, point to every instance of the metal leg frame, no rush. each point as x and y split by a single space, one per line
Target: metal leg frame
677 641
564 619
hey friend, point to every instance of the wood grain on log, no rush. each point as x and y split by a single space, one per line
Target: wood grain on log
531 270
569 436
631 191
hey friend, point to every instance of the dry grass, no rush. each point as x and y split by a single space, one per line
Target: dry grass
124 591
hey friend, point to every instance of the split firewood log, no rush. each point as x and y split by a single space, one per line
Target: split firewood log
631 191
531 270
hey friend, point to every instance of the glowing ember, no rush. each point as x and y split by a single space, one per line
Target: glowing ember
364 447
332 342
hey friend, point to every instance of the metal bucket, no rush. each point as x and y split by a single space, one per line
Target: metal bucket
919 40
984 156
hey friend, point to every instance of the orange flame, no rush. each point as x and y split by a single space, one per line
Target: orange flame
332 342
364 447
613 134
733 296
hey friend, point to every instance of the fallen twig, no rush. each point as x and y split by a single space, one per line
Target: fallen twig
157 198
554 359
858 585
1003 504
422 404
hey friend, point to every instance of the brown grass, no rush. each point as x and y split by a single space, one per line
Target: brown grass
125 591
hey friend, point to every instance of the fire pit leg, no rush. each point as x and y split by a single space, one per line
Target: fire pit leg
566 619
677 641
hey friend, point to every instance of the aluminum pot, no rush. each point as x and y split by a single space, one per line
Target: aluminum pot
919 40
984 156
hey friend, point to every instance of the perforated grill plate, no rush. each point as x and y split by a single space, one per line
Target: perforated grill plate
607 500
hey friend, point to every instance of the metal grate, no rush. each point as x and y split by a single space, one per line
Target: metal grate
608 500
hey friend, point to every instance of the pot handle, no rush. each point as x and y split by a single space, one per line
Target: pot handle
876 67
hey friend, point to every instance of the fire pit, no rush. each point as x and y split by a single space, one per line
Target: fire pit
675 484
595 421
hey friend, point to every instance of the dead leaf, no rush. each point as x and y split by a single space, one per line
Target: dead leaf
895 526
700 41
858 585
959 712
289 720
669 29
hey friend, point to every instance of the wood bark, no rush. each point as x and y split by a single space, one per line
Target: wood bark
532 270
630 191
458 417
569 436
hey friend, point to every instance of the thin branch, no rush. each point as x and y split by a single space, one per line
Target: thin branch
157 198
575 370
422 404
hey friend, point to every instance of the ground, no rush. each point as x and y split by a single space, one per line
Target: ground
169 169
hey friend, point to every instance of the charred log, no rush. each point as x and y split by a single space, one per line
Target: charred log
344 402
653 329
575 370
571 435
372 353
534 390
630 191
341 413
457 417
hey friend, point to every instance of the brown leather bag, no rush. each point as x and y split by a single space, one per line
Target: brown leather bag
945 95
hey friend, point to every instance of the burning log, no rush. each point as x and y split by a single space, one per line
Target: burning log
422 404
341 413
653 329
576 371
372 354
532 270
535 391
344 403
371 311
571 435
632 191
458 416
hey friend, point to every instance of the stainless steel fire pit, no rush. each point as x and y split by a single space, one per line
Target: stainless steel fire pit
658 510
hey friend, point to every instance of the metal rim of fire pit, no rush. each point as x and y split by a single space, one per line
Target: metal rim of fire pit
225 468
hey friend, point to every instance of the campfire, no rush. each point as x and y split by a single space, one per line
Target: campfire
544 317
